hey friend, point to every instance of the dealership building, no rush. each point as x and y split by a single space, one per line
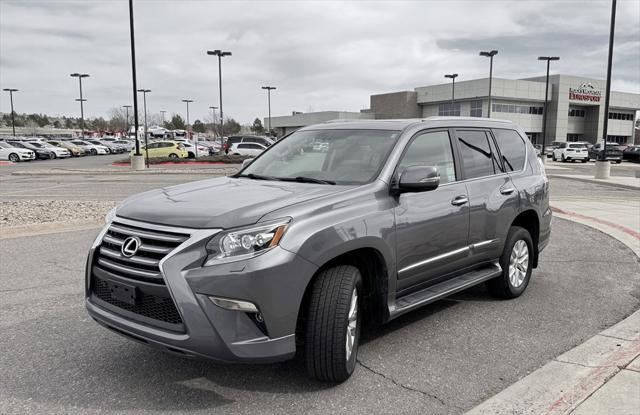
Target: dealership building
575 111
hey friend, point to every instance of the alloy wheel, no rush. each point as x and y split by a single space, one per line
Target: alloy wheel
518 263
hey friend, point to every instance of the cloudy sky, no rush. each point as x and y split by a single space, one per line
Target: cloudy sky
320 55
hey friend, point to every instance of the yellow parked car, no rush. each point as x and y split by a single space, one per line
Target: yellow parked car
73 149
162 149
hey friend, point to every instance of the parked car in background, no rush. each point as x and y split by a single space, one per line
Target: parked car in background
56 152
571 152
247 149
41 154
93 149
162 149
631 153
127 144
236 139
191 149
15 154
113 148
75 150
295 252
611 152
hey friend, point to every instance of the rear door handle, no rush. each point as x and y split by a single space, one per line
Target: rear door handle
507 190
459 200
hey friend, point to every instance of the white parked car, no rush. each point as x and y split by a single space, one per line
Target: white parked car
128 144
92 149
570 152
56 152
247 149
191 149
15 154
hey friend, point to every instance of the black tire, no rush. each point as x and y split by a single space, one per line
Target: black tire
585 160
502 285
52 155
192 155
327 324
173 156
619 161
564 160
14 158
553 157
93 151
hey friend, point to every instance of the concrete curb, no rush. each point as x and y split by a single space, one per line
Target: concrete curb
595 181
221 171
47 228
561 385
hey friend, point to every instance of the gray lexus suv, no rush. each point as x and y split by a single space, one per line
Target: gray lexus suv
334 226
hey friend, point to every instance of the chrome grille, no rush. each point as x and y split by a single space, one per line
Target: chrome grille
144 265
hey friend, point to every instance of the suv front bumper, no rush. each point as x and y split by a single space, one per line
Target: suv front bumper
274 281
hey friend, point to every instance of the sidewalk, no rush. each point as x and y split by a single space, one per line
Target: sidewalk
602 375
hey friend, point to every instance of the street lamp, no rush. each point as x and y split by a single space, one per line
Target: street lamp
144 100
269 88
453 77
13 120
490 55
213 120
220 54
162 112
126 107
135 87
80 76
187 101
546 96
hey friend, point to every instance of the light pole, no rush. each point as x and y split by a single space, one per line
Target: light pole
13 120
269 89
490 55
162 112
220 54
144 100
126 107
546 97
603 166
135 87
213 120
80 76
453 77
189 132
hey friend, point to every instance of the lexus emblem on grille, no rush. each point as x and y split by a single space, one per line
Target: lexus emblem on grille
130 246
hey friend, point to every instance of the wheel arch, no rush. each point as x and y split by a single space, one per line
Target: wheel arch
530 221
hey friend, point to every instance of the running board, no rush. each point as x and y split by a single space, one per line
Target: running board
444 289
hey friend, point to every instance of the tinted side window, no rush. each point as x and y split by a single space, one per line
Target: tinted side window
431 149
478 159
512 148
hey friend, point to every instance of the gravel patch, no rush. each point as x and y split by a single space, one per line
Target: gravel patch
29 212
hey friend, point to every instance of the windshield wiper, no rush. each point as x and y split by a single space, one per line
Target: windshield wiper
304 179
257 177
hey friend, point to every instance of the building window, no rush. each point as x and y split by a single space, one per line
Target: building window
449 109
576 113
476 109
574 137
620 116
620 139
516 109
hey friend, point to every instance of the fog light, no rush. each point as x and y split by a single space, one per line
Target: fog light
235 305
259 318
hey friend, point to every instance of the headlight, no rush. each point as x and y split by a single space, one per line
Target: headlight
245 243
110 216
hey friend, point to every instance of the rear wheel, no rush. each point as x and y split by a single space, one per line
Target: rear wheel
52 155
553 157
585 160
14 158
333 324
564 160
516 262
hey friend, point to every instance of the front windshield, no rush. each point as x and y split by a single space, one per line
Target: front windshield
340 156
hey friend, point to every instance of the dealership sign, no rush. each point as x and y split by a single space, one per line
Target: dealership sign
586 92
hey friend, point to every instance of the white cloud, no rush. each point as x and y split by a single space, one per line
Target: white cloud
321 55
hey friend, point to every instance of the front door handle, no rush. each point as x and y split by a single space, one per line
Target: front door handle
507 190
459 200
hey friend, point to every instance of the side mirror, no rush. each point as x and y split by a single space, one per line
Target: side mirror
246 162
419 179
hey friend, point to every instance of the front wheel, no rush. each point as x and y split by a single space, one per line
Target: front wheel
173 156
94 151
14 158
517 264
333 324
553 157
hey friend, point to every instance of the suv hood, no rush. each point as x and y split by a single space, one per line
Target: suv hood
219 203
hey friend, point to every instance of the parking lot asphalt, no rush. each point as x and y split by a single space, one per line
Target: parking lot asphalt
443 358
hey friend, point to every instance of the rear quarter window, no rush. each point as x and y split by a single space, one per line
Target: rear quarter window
512 147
